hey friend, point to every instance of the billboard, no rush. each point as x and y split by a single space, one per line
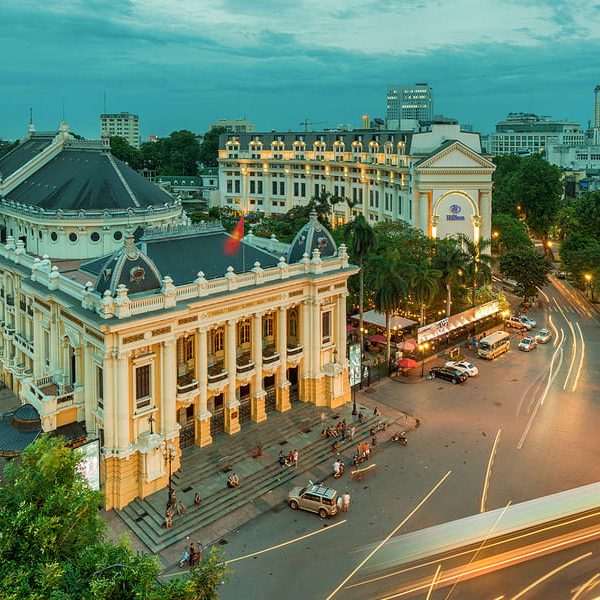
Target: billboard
355 364
89 465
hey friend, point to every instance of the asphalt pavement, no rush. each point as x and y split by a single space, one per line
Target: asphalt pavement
545 404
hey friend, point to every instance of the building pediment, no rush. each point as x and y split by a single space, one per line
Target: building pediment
454 155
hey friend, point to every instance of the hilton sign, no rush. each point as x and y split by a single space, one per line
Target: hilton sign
455 215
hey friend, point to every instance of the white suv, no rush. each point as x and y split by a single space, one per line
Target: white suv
516 323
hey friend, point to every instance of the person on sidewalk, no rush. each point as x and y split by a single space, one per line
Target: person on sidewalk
197 499
296 457
233 480
323 418
352 431
346 501
181 508
376 412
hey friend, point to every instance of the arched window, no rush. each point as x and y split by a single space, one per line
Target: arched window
268 326
293 323
244 332
218 337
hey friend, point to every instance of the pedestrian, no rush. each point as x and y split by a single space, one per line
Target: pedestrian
181 508
323 417
359 452
344 430
336 469
346 501
340 503
296 457
185 557
197 499
352 431
376 412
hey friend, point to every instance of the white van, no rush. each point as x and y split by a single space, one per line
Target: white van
494 345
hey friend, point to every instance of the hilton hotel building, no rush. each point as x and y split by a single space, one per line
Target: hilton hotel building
437 180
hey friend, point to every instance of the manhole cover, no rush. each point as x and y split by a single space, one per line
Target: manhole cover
187 489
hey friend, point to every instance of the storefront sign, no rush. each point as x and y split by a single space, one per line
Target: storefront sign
455 210
89 465
355 364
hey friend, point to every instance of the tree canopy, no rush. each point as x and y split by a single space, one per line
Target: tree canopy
528 268
53 544
209 149
509 233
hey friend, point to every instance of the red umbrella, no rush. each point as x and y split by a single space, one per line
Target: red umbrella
407 363
377 338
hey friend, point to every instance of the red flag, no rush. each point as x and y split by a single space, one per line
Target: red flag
232 243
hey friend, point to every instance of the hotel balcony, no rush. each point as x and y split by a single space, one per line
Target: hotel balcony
270 359
217 377
244 366
24 345
46 395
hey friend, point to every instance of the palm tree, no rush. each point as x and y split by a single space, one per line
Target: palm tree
389 289
424 283
478 263
362 240
449 259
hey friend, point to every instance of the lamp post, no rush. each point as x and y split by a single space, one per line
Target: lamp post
588 279
422 347
354 411
169 453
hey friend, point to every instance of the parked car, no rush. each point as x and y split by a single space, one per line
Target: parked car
314 498
449 374
531 323
527 344
516 323
463 365
544 336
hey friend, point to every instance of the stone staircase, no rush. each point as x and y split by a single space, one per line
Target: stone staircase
206 470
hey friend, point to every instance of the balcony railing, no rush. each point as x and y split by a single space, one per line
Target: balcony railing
270 355
293 350
10 300
23 343
244 364
216 373
186 383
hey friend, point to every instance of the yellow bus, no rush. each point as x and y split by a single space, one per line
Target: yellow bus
494 345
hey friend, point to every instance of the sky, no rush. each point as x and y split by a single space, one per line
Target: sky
182 64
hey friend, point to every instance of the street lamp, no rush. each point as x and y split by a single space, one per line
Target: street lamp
354 411
588 278
169 453
422 348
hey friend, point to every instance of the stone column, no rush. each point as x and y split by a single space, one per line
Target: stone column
282 400
109 366
341 329
90 392
38 346
54 347
168 399
203 437
122 401
485 210
424 212
258 393
232 413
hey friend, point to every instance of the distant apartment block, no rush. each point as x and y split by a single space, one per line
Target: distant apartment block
125 125
192 190
436 180
409 103
235 125
525 133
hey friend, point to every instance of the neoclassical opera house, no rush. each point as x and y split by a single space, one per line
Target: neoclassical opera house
123 322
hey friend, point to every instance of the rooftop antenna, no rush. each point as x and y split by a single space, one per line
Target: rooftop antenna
63 108
31 128
104 101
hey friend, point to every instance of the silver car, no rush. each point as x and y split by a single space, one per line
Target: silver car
544 336
528 321
315 498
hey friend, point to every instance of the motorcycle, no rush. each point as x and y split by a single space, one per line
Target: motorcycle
400 438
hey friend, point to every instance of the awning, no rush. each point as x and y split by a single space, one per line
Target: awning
373 317
350 328
377 339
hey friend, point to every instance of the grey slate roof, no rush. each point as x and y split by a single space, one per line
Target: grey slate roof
182 256
24 152
89 179
312 236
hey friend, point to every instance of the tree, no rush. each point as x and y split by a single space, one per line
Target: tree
449 260
52 541
529 269
120 148
209 149
478 263
505 199
580 255
424 283
6 146
582 216
539 190
361 240
389 289
509 233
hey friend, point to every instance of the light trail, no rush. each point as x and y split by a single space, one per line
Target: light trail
580 360
437 572
544 394
485 539
574 352
506 562
553 327
585 586
386 539
549 574
298 539
508 540
486 481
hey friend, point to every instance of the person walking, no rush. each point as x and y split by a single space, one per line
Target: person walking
352 431
296 457
346 501
323 418
376 412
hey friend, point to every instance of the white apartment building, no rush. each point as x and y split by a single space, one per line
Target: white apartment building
124 124
524 133
579 158
409 102
436 180
235 125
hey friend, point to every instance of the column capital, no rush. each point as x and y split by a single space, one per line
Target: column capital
169 342
202 329
121 354
232 322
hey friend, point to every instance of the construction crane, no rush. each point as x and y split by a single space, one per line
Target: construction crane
306 123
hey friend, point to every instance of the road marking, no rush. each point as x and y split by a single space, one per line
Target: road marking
574 352
302 537
486 481
580 360
386 539
586 585
549 574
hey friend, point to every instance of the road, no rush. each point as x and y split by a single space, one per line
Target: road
545 404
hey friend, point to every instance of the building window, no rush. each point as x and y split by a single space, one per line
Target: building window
326 327
237 186
53 236
252 186
188 349
282 188
274 188
244 332
217 340
117 235
268 326
229 186
293 323
142 386
100 386
95 237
